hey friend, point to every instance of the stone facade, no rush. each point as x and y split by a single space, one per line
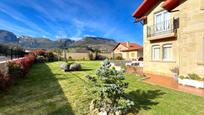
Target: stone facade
187 41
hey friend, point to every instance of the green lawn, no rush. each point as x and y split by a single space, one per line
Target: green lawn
49 90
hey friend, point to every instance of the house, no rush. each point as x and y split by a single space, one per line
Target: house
128 51
173 36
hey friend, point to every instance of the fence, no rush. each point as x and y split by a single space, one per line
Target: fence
7 53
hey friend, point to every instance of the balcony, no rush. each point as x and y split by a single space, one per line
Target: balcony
166 29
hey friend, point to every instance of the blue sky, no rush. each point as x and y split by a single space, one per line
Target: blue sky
72 18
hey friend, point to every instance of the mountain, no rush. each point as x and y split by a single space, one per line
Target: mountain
64 42
28 42
7 37
103 44
89 41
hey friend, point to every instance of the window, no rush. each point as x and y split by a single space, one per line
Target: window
155 52
167 52
132 54
162 21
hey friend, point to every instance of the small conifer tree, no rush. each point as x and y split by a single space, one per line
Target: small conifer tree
109 88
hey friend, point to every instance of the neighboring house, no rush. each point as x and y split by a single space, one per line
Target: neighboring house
128 51
173 35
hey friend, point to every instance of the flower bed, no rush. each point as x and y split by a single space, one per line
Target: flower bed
191 80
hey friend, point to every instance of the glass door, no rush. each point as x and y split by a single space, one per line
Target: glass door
166 21
158 22
162 21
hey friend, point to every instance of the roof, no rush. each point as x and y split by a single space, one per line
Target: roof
130 46
148 4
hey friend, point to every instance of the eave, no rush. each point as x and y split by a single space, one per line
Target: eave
142 10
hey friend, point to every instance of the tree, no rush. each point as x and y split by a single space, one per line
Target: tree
108 89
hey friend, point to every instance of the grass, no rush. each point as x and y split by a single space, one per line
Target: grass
49 90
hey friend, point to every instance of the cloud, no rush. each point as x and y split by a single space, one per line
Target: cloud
21 18
69 18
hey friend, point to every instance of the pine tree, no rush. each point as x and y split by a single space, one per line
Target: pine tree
109 90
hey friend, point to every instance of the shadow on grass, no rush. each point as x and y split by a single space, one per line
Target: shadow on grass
144 99
38 93
79 70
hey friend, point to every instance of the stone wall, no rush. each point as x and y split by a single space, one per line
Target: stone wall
85 56
187 47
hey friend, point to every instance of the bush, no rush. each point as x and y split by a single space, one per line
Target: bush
194 76
20 67
50 56
5 81
91 56
182 76
100 57
15 70
39 52
40 59
108 90
175 70
75 67
70 58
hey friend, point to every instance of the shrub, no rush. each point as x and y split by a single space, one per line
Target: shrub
100 57
5 81
194 76
70 58
14 69
40 59
50 56
39 52
108 89
175 70
182 76
75 67
20 67
91 57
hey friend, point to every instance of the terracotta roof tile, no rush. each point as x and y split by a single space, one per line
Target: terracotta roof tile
130 46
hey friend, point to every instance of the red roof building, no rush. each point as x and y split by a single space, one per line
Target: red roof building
128 50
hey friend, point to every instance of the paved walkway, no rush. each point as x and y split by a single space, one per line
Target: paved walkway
171 83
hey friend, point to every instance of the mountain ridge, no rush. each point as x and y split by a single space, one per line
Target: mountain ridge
28 42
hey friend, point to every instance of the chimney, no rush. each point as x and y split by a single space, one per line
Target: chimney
127 44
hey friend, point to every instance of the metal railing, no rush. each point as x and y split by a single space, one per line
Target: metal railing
161 28
8 52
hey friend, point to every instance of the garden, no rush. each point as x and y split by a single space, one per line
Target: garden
48 89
